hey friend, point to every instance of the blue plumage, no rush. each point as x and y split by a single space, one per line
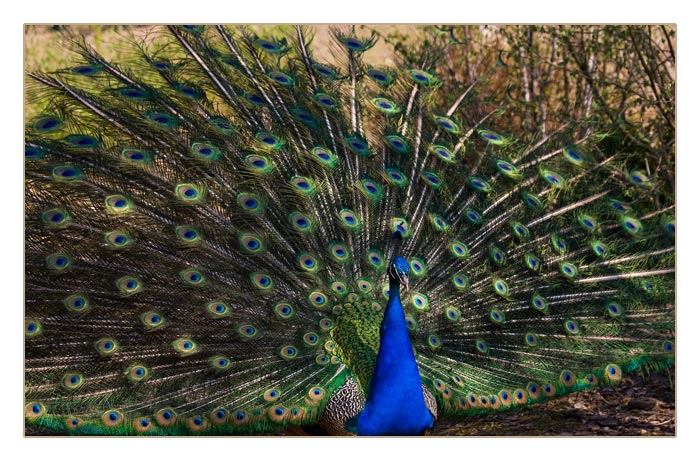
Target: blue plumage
395 403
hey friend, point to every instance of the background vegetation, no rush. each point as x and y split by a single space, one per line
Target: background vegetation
541 80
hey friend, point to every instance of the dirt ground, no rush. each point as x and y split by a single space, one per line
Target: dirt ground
639 406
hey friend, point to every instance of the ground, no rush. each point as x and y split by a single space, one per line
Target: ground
639 406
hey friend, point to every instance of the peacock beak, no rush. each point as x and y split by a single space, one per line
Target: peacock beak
404 281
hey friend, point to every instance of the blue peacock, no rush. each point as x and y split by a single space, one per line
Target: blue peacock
225 235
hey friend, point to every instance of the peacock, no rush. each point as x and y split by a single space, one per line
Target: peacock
225 234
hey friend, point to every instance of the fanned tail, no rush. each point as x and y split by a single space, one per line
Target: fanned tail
208 228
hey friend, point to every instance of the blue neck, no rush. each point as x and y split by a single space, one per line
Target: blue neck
395 405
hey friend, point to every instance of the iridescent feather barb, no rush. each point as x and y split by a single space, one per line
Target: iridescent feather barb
209 229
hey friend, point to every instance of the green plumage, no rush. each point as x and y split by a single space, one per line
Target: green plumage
208 229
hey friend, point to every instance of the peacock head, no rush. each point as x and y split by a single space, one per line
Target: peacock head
398 271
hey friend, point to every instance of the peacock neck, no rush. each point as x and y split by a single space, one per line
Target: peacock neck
395 404
394 293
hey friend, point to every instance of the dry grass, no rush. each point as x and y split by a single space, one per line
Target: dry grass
45 48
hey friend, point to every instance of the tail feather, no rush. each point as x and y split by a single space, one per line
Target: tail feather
207 232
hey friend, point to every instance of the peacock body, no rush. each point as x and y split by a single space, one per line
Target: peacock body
209 228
